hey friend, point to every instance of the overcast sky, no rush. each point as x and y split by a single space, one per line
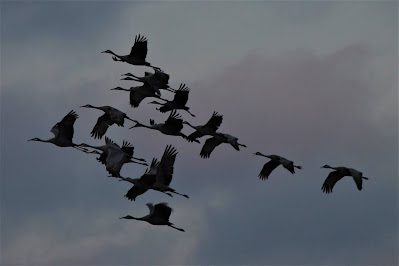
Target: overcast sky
313 81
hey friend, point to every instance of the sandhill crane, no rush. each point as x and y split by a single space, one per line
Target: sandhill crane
339 173
137 94
172 126
164 173
208 129
63 133
142 184
216 140
159 215
275 161
111 116
178 103
137 55
114 157
158 80
157 177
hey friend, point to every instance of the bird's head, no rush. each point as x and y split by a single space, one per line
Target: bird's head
258 153
128 78
154 102
126 217
87 105
117 88
326 166
107 52
34 139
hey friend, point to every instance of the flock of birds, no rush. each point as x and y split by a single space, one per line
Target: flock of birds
158 175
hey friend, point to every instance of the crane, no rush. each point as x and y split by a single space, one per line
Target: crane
337 174
275 161
159 215
209 128
217 139
172 126
114 157
178 103
63 133
158 80
139 93
111 116
137 55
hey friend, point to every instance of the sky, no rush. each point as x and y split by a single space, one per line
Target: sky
313 81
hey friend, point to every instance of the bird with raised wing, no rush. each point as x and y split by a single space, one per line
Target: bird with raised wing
178 103
139 93
337 174
159 215
172 126
114 157
111 116
217 139
275 161
208 129
158 80
137 55
63 133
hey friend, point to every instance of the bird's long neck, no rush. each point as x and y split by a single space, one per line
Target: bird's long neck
261 154
44 140
93 107
242 145
101 148
142 125
120 89
297 166
133 218
195 127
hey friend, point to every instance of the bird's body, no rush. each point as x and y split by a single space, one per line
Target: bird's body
114 157
63 133
208 129
217 139
137 94
178 103
159 215
337 174
158 80
157 177
137 54
172 126
111 116
275 161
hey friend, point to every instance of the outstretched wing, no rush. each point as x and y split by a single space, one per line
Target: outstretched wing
135 191
330 181
287 164
127 148
195 135
174 121
103 122
64 128
181 95
165 168
162 211
215 121
209 146
357 177
267 169
139 48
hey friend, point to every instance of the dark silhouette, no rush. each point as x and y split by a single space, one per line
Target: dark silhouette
172 126
63 133
137 54
178 103
208 129
158 177
274 162
139 93
159 215
339 173
158 80
216 140
114 157
111 116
